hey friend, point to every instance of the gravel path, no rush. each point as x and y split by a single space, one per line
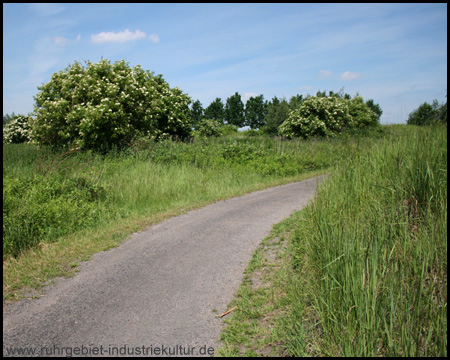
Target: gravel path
158 293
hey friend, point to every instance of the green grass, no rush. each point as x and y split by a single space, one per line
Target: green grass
365 269
60 208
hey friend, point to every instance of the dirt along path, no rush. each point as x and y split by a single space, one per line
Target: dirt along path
158 293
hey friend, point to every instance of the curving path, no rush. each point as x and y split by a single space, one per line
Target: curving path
158 293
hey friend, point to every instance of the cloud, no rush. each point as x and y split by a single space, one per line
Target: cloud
119 37
46 9
154 38
349 75
62 41
325 73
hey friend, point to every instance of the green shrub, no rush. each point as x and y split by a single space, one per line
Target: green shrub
17 130
104 105
208 128
44 208
327 116
427 114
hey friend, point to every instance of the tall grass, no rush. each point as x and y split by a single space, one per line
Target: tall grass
50 195
369 256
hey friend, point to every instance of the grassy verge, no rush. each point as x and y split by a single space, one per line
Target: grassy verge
365 266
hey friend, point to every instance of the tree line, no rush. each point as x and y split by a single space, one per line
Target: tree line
258 113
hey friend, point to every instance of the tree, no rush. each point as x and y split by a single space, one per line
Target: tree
101 105
362 115
295 101
7 118
376 108
255 112
196 113
215 111
277 113
234 111
423 115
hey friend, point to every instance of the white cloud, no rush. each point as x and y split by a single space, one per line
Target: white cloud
154 38
349 75
62 41
119 37
46 9
59 40
325 73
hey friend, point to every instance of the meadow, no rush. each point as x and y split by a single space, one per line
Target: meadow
364 270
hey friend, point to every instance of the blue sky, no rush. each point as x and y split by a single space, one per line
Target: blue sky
395 54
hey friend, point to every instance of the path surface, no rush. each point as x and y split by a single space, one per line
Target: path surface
155 293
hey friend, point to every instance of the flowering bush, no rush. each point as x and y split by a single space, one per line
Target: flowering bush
104 104
326 116
208 128
17 130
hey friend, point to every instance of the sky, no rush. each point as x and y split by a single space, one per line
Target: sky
395 54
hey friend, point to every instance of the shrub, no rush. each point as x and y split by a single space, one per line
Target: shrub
208 128
316 116
326 116
104 105
362 115
427 114
17 130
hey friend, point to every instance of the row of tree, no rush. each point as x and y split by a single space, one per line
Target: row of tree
258 113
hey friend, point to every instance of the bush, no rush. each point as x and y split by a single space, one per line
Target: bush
104 105
326 116
427 114
316 116
17 130
208 128
362 115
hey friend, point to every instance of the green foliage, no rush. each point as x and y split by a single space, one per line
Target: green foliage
8 117
17 129
44 208
295 101
316 116
362 115
277 113
196 113
427 114
255 112
208 128
215 111
104 105
234 111
376 108
327 116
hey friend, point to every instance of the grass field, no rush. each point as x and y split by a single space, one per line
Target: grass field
364 268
